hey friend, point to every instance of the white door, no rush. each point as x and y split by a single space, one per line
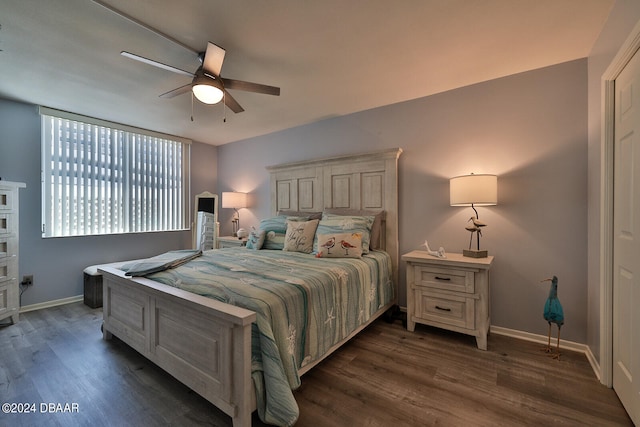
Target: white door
626 246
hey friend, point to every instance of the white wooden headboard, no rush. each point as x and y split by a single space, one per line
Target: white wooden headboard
360 181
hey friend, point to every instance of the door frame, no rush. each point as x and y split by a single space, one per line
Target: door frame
622 58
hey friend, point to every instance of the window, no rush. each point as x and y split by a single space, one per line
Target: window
103 178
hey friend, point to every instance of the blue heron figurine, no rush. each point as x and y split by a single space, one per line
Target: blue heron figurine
553 313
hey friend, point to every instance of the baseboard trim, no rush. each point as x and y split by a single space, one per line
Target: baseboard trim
594 363
542 339
54 303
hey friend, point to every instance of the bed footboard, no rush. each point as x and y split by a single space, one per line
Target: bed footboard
203 343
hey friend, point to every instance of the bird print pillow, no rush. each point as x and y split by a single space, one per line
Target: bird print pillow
342 224
345 245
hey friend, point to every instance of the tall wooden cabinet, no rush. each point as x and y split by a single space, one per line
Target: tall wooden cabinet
9 288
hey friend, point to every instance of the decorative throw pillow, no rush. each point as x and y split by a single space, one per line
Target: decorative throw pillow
337 224
275 230
255 239
341 245
299 236
376 227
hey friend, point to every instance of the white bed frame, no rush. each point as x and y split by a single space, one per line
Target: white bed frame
206 344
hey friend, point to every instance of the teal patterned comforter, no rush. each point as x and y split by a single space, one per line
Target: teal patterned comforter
304 306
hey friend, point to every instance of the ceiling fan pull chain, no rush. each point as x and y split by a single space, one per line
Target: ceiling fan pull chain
191 105
224 107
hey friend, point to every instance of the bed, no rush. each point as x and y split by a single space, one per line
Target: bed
226 344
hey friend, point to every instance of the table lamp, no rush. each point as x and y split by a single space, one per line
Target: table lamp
234 200
474 190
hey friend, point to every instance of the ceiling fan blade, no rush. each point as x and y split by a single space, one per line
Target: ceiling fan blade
177 91
155 63
250 87
231 102
143 25
213 59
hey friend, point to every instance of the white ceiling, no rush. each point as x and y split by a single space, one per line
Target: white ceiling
329 57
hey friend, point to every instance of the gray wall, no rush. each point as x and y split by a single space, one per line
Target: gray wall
530 129
57 263
621 21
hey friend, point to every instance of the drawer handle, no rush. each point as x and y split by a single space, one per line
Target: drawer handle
443 309
442 278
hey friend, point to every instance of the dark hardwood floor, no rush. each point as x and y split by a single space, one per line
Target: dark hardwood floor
386 376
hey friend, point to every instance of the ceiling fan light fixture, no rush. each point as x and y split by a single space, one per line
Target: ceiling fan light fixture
207 90
207 94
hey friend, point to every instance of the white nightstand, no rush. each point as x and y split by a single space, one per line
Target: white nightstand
450 293
231 242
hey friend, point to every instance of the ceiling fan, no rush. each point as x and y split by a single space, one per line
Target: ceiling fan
207 85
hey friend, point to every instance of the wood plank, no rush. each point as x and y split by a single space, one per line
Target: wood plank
384 376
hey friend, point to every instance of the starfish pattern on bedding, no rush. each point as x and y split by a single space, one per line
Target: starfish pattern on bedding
291 338
341 273
372 291
330 317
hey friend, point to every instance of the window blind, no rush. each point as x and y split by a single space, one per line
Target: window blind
103 178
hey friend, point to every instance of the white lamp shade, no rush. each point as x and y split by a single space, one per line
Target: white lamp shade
234 200
477 190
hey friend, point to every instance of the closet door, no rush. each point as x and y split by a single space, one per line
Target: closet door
626 245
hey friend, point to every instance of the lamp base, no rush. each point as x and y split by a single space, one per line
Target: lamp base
472 253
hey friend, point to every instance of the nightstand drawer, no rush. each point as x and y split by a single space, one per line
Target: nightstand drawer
447 309
445 278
